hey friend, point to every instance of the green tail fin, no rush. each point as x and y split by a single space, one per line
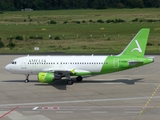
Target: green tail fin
138 44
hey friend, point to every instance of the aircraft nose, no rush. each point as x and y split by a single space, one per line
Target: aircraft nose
7 67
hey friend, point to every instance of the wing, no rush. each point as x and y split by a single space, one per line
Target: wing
64 71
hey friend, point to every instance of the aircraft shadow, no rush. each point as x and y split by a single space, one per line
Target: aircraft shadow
125 81
59 84
62 84
19 81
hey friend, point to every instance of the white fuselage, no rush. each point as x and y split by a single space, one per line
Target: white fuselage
35 64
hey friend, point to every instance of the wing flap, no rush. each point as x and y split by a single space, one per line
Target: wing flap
64 70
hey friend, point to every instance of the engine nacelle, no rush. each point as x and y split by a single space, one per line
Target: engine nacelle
45 77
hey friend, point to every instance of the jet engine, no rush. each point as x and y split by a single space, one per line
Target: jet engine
46 77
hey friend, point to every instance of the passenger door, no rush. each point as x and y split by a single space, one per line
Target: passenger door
24 62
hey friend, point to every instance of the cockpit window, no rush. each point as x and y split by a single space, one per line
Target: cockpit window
13 62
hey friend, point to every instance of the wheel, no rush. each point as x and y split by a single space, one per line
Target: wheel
79 79
26 81
70 82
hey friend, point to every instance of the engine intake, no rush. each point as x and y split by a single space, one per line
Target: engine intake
45 77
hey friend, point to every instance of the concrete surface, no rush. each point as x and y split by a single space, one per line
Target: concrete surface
128 95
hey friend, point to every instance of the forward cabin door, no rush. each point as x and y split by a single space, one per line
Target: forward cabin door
24 62
116 63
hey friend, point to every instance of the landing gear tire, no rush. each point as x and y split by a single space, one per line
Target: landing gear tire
79 79
70 82
26 81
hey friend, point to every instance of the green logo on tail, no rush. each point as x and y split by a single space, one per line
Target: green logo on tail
138 44
139 48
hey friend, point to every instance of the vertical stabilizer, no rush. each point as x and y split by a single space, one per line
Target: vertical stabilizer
138 44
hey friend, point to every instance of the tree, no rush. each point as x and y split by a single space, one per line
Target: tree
120 5
82 4
136 3
8 5
148 3
157 3
113 3
99 4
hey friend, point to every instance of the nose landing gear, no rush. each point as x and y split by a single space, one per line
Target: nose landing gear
27 79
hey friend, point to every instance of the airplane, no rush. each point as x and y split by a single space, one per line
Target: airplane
51 68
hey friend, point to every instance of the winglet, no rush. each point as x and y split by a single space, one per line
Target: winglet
72 71
138 44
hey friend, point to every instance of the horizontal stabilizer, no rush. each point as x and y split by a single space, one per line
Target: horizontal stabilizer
134 63
150 57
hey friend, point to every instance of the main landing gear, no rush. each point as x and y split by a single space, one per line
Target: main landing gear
27 80
79 79
70 81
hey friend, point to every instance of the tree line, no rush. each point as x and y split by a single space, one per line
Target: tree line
8 5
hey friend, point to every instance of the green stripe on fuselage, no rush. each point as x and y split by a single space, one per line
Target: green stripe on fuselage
119 63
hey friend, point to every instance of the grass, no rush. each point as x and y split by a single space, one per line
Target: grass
77 38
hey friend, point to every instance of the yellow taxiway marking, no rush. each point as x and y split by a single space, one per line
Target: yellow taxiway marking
142 111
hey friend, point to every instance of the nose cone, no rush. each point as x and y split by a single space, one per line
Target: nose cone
7 68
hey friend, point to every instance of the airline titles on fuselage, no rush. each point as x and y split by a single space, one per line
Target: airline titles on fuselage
37 60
